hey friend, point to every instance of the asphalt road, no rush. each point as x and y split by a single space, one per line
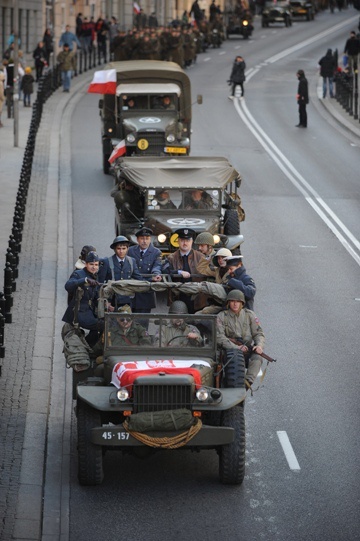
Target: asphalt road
300 191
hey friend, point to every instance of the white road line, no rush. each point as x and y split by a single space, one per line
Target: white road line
288 450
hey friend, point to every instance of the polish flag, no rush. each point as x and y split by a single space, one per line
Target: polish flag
118 151
136 8
104 82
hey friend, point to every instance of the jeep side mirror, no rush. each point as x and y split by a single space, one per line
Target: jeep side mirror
199 99
101 104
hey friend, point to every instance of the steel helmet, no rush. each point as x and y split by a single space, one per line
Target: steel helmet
178 307
236 295
205 238
224 252
119 240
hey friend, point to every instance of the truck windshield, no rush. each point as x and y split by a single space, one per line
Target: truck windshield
146 102
188 199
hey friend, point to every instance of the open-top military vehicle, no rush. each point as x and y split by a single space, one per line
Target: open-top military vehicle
151 111
161 384
165 194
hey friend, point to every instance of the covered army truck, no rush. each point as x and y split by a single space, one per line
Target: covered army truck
150 112
165 194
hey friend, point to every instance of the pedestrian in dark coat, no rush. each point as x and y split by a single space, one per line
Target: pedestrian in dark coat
39 55
120 267
327 70
27 86
237 76
82 311
48 44
302 98
237 278
148 259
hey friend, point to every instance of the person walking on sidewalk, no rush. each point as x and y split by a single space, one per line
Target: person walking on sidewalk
352 50
237 76
302 98
327 69
67 63
27 86
2 94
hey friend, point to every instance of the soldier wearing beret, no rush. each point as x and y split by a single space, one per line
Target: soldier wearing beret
83 288
148 259
183 263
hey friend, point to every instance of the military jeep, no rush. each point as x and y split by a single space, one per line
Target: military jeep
159 193
158 388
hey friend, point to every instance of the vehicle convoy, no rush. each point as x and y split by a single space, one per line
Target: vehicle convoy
159 193
239 25
276 12
150 112
160 386
302 9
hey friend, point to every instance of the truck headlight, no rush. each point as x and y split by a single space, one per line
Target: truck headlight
130 138
202 394
122 394
161 238
170 138
217 239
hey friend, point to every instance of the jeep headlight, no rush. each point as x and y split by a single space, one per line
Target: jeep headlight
217 239
122 394
202 394
161 238
130 138
170 138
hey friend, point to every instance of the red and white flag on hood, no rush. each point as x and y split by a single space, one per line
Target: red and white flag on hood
104 82
118 151
136 8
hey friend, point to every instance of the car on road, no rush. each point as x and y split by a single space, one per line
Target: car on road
164 391
158 193
276 12
302 9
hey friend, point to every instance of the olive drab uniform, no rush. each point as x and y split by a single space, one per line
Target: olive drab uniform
246 327
171 331
136 335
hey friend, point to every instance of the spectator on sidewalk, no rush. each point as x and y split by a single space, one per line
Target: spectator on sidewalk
39 55
352 50
69 38
2 94
327 69
27 86
67 62
48 44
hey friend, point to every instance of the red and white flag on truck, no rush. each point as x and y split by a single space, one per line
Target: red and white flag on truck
104 82
136 8
118 151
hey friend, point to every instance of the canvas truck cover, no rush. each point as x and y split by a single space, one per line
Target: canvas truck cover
177 172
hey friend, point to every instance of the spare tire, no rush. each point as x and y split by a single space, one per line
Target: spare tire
231 222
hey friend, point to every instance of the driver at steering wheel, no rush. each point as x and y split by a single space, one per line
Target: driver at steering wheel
177 332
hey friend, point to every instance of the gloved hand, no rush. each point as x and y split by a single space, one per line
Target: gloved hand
229 82
91 282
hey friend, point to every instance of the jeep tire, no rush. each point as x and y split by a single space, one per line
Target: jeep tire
232 456
90 456
231 222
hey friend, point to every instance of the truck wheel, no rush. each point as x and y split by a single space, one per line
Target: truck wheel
90 466
231 222
235 369
232 456
106 165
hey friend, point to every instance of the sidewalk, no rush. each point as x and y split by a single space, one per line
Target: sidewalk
35 398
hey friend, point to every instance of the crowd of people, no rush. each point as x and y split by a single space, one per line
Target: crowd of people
238 328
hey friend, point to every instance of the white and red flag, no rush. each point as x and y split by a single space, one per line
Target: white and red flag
104 82
118 151
136 8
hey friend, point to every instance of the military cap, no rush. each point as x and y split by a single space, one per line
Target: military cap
223 252
85 250
92 257
233 260
185 233
236 295
125 309
119 240
144 232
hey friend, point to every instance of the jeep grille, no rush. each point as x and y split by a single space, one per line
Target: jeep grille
156 144
162 397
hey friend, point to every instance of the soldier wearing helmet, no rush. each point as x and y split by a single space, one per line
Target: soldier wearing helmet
177 333
205 244
239 328
120 266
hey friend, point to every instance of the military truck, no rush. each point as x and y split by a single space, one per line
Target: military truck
157 387
159 193
151 111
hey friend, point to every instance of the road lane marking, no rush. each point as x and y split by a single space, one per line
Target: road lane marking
288 450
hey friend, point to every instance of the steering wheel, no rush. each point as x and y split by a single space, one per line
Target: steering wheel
175 337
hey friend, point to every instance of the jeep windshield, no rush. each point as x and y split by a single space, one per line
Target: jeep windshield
164 200
140 334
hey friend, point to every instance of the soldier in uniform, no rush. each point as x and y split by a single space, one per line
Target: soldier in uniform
237 278
118 46
239 328
216 266
83 288
119 267
127 331
205 244
198 199
148 259
177 333
176 47
183 263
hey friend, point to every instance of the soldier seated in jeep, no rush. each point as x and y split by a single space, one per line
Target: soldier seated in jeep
198 199
177 332
127 331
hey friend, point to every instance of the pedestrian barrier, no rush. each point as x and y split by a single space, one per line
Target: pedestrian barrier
347 91
48 83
